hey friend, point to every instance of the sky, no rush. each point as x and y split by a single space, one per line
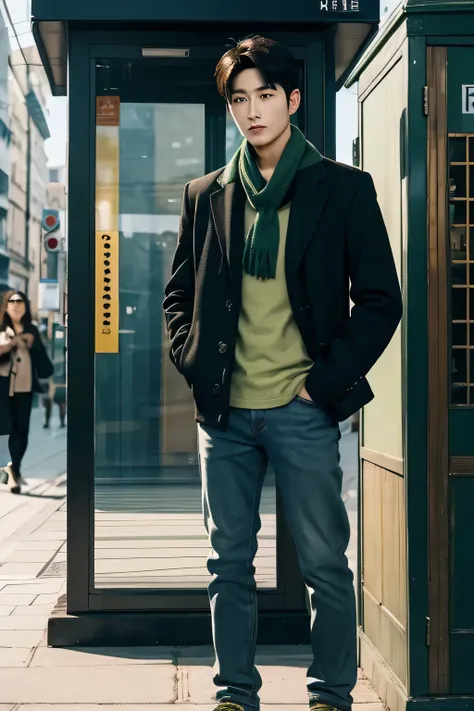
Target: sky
18 10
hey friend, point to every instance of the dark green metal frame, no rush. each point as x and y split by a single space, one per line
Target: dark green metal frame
284 616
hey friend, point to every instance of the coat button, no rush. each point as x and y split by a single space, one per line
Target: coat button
228 304
216 389
222 347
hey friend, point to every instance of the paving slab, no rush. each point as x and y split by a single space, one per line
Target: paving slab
144 707
281 685
19 599
30 545
16 571
14 622
20 638
32 610
30 556
39 587
103 656
364 693
14 658
89 685
158 707
46 599
6 610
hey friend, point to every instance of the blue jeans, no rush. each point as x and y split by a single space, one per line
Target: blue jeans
301 442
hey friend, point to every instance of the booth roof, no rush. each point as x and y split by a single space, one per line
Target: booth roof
354 23
403 11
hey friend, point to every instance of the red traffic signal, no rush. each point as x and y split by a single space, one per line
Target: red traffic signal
50 220
51 243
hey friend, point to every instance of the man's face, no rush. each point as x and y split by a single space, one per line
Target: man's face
261 114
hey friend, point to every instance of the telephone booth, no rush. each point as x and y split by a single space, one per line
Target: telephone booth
145 118
416 99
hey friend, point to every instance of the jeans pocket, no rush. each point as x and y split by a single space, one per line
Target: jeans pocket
310 403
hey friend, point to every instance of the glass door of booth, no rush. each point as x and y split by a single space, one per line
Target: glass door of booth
158 124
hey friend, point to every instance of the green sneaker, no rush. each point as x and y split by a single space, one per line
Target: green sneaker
318 706
228 706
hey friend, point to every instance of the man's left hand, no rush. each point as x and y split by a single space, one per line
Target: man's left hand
305 394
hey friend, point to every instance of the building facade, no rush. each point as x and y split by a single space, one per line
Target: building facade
23 166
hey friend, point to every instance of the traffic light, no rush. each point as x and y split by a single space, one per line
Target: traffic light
50 222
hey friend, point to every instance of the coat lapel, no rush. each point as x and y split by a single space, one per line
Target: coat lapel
310 197
228 214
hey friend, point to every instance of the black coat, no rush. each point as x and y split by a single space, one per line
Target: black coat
336 235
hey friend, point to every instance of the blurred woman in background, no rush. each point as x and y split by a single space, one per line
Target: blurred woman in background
23 361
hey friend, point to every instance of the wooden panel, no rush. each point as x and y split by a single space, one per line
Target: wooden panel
381 149
372 530
388 687
462 568
371 75
393 546
462 654
384 564
391 464
438 372
461 466
388 637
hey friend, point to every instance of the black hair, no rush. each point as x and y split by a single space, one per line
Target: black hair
276 64
5 320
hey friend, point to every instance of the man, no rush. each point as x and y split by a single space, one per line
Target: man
258 316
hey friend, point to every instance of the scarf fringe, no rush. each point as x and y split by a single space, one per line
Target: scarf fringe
259 263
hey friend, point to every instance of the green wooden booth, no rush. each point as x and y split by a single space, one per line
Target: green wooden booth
416 110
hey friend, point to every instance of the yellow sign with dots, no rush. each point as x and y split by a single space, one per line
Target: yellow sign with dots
106 292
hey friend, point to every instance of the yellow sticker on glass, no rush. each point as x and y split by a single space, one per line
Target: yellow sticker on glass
106 292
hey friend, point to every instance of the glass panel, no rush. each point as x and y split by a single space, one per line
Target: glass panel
458 304
459 395
459 334
470 316
471 149
458 243
457 174
457 150
149 530
458 274
459 365
460 212
233 137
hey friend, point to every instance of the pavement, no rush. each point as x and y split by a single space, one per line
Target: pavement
45 457
34 677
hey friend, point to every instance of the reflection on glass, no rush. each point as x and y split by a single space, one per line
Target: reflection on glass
458 243
233 137
458 174
149 530
459 371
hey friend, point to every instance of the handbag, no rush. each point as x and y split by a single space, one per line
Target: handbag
41 362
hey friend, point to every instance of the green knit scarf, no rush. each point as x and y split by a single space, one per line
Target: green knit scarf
261 247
